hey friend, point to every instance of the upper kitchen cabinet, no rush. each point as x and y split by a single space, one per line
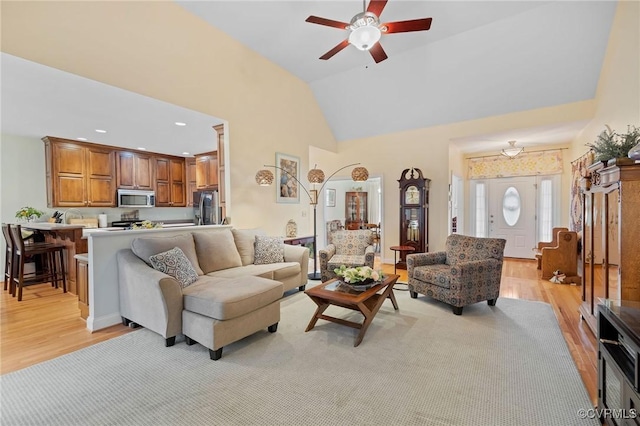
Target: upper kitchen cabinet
79 175
192 186
207 171
135 170
170 182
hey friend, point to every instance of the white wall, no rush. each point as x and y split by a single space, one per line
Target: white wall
22 181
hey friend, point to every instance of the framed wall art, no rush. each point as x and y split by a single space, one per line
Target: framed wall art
330 197
287 175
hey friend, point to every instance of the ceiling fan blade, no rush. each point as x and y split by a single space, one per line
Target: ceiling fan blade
327 22
378 53
335 50
376 6
407 26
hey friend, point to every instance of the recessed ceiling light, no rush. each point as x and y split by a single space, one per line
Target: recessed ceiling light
185 153
142 148
179 123
101 131
82 139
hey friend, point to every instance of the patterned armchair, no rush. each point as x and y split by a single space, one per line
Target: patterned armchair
349 248
469 271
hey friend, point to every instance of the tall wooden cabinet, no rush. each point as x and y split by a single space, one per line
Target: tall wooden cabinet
191 180
222 191
610 235
356 213
170 182
79 175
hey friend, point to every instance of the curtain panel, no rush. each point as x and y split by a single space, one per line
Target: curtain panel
578 171
548 162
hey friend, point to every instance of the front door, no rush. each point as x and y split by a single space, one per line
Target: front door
512 214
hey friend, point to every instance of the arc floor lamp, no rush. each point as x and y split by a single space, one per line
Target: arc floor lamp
315 176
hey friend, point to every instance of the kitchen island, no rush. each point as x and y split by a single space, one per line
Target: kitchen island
104 301
71 237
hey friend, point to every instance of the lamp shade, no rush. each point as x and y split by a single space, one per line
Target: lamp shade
360 174
315 176
264 177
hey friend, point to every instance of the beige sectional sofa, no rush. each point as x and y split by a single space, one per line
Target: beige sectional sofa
233 296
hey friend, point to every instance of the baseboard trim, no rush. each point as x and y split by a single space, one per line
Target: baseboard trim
95 324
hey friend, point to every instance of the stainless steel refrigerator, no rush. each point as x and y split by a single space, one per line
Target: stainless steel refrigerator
206 208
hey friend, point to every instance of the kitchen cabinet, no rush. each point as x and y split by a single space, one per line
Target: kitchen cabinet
134 170
191 180
79 175
356 214
207 171
610 232
170 182
82 280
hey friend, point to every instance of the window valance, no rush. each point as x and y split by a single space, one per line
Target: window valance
547 162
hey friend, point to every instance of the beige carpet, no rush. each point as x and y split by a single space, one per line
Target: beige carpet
503 365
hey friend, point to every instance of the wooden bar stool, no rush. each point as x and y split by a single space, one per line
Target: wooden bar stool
53 259
8 256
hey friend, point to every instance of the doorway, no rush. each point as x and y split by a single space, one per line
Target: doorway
336 209
512 214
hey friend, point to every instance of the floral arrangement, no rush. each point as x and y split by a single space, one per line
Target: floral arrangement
610 144
28 213
147 224
358 274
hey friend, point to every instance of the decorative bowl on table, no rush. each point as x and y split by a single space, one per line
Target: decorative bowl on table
359 278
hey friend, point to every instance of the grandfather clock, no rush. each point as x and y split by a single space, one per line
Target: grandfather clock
414 212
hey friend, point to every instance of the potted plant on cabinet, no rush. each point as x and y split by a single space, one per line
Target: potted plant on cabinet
610 145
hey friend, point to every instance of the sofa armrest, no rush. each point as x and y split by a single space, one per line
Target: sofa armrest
369 256
149 297
298 254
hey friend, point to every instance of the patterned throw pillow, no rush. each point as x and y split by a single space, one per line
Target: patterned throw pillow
268 250
175 263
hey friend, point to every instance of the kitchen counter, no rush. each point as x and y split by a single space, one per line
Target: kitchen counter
48 226
88 231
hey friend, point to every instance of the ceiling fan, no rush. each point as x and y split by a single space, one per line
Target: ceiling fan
365 29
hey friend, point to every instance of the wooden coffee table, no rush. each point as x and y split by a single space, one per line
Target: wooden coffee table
367 302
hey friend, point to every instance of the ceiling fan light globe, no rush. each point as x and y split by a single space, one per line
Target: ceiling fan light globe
364 38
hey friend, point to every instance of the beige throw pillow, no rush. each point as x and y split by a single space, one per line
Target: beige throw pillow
268 250
216 250
245 240
144 248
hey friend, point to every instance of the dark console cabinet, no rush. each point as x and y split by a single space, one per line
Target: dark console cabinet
618 356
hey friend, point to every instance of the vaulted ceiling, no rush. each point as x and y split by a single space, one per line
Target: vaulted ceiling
478 59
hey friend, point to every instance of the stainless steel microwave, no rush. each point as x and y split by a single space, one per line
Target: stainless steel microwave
136 198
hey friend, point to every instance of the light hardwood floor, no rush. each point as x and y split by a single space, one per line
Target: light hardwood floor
46 324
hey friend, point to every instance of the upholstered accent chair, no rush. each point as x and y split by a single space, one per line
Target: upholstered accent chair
349 248
468 271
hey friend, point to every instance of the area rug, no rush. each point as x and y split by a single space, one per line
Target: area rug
422 365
